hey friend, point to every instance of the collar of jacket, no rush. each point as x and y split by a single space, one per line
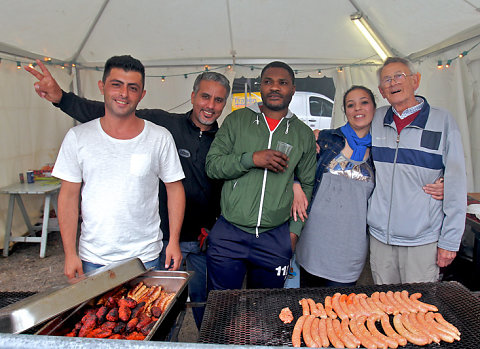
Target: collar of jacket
420 121
213 130
256 108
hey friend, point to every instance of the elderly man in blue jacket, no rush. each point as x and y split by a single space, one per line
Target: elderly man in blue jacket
412 235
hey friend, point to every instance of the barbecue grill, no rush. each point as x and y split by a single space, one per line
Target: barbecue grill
27 313
250 317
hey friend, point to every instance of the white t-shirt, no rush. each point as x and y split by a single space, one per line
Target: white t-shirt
120 189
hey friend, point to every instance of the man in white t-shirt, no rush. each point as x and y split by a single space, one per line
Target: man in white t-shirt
115 164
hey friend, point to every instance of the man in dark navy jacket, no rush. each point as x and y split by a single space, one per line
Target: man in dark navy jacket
193 133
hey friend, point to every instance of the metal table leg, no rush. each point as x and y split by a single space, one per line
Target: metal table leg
8 225
46 216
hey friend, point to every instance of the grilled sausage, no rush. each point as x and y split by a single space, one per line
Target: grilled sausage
112 315
336 306
445 333
368 340
343 304
305 308
307 331
88 324
424 306
321 311
414 338
156 311
322 331
314 332
124 313
375 309
411 306
332 337
404 307
328 308
414 330
297 331
350 306
367 309
135 336
101 314
390 342
389 306
146 329
390 332
432 336
109 325
337 327
396 307
128 302
357 333
131 325
430 329
120 327
348 333
439 318
313 307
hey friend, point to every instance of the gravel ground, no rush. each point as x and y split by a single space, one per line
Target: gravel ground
24 270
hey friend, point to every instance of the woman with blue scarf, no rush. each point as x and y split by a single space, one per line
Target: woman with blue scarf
333 246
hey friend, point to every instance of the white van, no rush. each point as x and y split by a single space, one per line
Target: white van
312 108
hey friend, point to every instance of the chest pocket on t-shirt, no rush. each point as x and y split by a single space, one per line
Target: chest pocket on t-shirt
430 139
139 164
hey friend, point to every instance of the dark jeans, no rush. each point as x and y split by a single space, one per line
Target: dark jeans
233 253
195 261
309 280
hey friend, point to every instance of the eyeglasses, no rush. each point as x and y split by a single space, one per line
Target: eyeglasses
398 78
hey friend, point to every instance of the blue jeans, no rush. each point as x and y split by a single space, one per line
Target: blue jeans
87 266
195 261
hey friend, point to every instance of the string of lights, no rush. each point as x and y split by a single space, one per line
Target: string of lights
317 70
459 56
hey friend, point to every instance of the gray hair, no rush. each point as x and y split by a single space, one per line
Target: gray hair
390 60
212 76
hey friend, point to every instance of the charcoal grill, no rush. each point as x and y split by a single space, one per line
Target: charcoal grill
250 317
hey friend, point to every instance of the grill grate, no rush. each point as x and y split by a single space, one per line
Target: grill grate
7 298
250 317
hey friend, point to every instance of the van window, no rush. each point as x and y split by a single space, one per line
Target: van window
320 107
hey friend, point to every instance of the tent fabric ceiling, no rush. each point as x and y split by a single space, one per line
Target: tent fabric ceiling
192 32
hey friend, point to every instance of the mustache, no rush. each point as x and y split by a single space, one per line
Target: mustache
274 94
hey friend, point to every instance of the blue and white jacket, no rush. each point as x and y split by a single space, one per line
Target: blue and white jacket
400 213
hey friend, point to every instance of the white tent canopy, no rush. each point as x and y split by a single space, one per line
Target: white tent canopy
177 39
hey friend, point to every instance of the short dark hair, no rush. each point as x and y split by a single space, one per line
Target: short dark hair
359 87
278 64
212 76
125 62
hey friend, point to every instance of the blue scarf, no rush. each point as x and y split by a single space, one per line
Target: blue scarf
358 145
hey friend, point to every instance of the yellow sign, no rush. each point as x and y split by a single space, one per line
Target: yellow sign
238 99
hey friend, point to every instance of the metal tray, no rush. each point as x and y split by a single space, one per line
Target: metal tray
172 281
34 310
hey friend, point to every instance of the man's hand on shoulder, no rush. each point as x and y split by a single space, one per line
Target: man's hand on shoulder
272 160
46 86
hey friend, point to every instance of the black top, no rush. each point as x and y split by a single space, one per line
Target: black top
202 193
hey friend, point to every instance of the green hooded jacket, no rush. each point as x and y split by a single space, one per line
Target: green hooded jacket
255 199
